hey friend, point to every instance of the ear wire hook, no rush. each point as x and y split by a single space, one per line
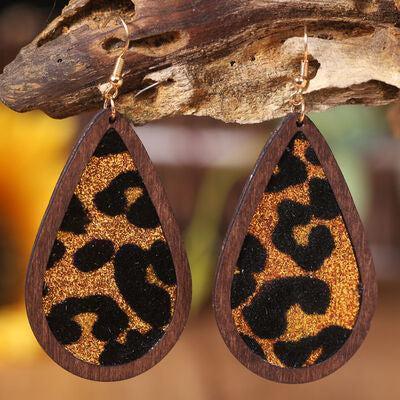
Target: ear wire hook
116 78
304 63
301 82
119 65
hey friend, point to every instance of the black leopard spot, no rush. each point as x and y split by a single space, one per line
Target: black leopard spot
135 346
295 354
292 171
253 345
252 256
300 136
252 259
266 315
150 302
93 255
112 200
320 241
160 258
57 253
110 144
242 287
76 218
323 202
45 290
142 213
111 320
311 156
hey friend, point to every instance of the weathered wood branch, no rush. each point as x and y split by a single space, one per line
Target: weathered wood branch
230 59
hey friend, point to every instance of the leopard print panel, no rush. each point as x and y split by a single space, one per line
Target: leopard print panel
296 288
110 285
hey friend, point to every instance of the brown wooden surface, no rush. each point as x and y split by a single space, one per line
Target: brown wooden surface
248 203
229 59
47 233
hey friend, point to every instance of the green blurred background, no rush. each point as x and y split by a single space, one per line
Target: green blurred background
203 183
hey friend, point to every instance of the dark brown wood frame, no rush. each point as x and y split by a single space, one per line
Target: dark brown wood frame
249 200
51 222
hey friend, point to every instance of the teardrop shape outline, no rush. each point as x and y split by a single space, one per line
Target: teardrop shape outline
62 194
231 247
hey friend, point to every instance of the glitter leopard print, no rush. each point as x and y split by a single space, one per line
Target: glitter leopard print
110 285
295 293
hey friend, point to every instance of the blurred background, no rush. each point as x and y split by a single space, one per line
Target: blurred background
203 183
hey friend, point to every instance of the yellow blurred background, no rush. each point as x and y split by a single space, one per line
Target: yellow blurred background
203 183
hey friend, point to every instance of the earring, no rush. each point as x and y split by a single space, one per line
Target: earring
295 289
108 287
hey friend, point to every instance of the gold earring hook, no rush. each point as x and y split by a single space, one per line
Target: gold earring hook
305 41
301 83
116 78
127 39
304 64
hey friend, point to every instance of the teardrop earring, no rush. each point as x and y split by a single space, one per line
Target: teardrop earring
108 286
295 288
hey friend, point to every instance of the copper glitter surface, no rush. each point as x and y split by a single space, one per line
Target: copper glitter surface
64 280
314 356
87 348
339 271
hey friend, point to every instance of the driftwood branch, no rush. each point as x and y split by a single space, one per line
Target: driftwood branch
229 59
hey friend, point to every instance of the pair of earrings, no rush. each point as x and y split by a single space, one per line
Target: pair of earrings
108 287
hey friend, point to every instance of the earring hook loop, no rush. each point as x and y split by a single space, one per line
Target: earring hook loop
116 79
305 43
127 39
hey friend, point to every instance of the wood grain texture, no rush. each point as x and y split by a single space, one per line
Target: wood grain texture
47 233
248 203
229 59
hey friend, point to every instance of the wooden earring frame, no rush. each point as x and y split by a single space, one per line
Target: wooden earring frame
60 199
250 198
